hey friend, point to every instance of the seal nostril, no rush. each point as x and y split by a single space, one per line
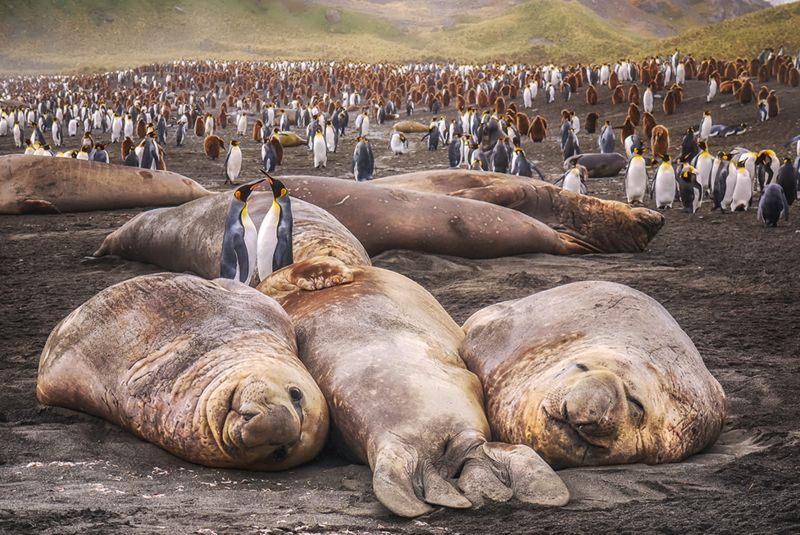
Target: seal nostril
280 454
582 367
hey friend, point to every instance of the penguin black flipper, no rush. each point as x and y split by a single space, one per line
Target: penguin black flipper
283 255
225 165
538 171
242 256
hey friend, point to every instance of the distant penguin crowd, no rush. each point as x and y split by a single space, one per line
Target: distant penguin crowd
481 115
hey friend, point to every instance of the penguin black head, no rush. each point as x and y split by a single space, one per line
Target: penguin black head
242 193
787 161
703 145
278 189
690 130
234 142
740 164
638 150
665 158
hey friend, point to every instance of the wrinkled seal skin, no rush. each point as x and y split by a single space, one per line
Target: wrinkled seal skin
385 355
384 218
189 237
201 368
599 165
607 226
35 184
593 373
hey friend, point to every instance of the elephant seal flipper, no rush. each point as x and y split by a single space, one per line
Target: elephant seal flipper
394 345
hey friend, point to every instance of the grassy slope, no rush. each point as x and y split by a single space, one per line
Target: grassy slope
71 35
743 36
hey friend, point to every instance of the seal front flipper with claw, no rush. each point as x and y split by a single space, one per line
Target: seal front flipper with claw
379 346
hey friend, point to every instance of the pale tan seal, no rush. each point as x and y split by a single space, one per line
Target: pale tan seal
385 355
205 369
410 127
37 184
593 373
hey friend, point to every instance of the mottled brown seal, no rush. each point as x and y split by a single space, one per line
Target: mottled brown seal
205 369
607 226
51 185
384 218
593 373
385 355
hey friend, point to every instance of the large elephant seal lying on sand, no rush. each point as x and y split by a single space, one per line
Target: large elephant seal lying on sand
608 226
593 373
207 370
35 184
384 218
385 354
189 237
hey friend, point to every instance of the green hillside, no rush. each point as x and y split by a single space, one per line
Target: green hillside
743 36
90 35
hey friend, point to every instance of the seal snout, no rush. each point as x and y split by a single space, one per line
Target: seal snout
272 424
594 407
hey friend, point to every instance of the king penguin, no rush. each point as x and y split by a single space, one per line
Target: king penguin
233 162
240 239
665 185
636 177
320 149
274 244
607 140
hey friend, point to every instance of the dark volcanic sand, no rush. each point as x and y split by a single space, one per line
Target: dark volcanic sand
731 284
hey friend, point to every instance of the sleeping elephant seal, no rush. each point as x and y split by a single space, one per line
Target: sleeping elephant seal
385 354
608 226
53 185
290 139
207 370
411 127
384 218
190 237
593 373
599 165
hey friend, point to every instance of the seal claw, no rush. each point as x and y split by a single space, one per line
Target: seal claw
499 471
392 481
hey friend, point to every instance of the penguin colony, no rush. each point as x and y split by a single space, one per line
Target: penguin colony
476 119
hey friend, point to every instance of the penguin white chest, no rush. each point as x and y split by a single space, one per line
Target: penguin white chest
234 164
267 241
743 190
705 128
572 181
251 243
320 152
636 180
665 186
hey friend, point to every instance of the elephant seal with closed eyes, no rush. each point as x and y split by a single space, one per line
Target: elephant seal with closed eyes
207 370
593 373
